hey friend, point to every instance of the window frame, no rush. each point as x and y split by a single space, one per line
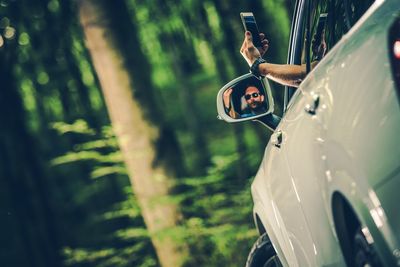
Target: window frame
298 33
295 45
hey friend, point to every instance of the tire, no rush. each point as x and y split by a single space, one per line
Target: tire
263 254
364 254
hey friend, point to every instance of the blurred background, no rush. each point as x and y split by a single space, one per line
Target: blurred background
102 100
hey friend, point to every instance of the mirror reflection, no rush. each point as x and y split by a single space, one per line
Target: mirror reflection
245 99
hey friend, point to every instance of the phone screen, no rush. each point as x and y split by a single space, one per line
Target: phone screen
249 23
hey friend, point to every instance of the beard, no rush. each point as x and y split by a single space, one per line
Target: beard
255 105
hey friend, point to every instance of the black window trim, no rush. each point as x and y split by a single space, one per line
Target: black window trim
295 45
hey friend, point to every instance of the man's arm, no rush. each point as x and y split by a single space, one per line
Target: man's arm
228 105
290 75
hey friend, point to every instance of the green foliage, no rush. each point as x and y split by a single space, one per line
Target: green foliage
218 228
216 224
108 257
92 150
83 185
106 161
79 126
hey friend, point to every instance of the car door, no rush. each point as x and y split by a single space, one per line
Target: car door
303 154
278 200
305 131
295 236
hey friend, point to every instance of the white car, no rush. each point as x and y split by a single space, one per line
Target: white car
327 190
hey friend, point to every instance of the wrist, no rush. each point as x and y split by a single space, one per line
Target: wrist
227 104
255 67
253 60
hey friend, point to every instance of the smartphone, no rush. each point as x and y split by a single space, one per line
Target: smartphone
249 24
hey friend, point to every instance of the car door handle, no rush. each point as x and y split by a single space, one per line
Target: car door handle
311 108
276 138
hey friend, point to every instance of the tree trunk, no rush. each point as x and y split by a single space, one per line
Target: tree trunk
136 136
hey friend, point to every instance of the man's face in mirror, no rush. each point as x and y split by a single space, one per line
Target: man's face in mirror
253 97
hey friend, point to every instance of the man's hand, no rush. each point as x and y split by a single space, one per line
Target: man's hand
227 97
249 51
265 44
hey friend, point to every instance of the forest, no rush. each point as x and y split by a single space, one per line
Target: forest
111 153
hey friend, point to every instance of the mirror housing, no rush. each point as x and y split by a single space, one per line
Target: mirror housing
245 98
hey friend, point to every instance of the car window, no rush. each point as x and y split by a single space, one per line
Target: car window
355 9
334 28
341 15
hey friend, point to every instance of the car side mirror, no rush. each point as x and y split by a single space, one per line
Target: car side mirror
245 98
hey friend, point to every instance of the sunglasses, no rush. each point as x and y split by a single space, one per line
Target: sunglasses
248 96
